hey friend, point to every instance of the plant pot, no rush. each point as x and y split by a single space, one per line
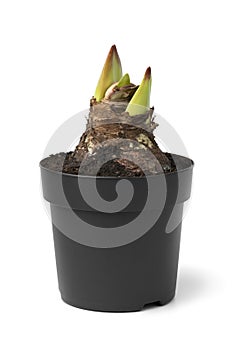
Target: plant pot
117 260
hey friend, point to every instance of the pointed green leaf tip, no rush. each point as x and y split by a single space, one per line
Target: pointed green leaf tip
140 102
124 81
111 73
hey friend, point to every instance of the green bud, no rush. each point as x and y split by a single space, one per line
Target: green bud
111 73
125 80
140 102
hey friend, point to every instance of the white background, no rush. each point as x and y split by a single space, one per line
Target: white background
51 56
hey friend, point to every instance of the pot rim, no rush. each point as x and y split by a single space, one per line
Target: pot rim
121 177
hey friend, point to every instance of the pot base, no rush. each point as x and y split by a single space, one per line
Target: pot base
128 308
122 279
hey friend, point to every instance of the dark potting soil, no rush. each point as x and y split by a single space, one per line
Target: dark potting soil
66 163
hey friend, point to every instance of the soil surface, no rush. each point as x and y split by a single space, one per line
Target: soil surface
65 162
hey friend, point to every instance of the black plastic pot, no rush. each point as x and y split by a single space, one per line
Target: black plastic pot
108 260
